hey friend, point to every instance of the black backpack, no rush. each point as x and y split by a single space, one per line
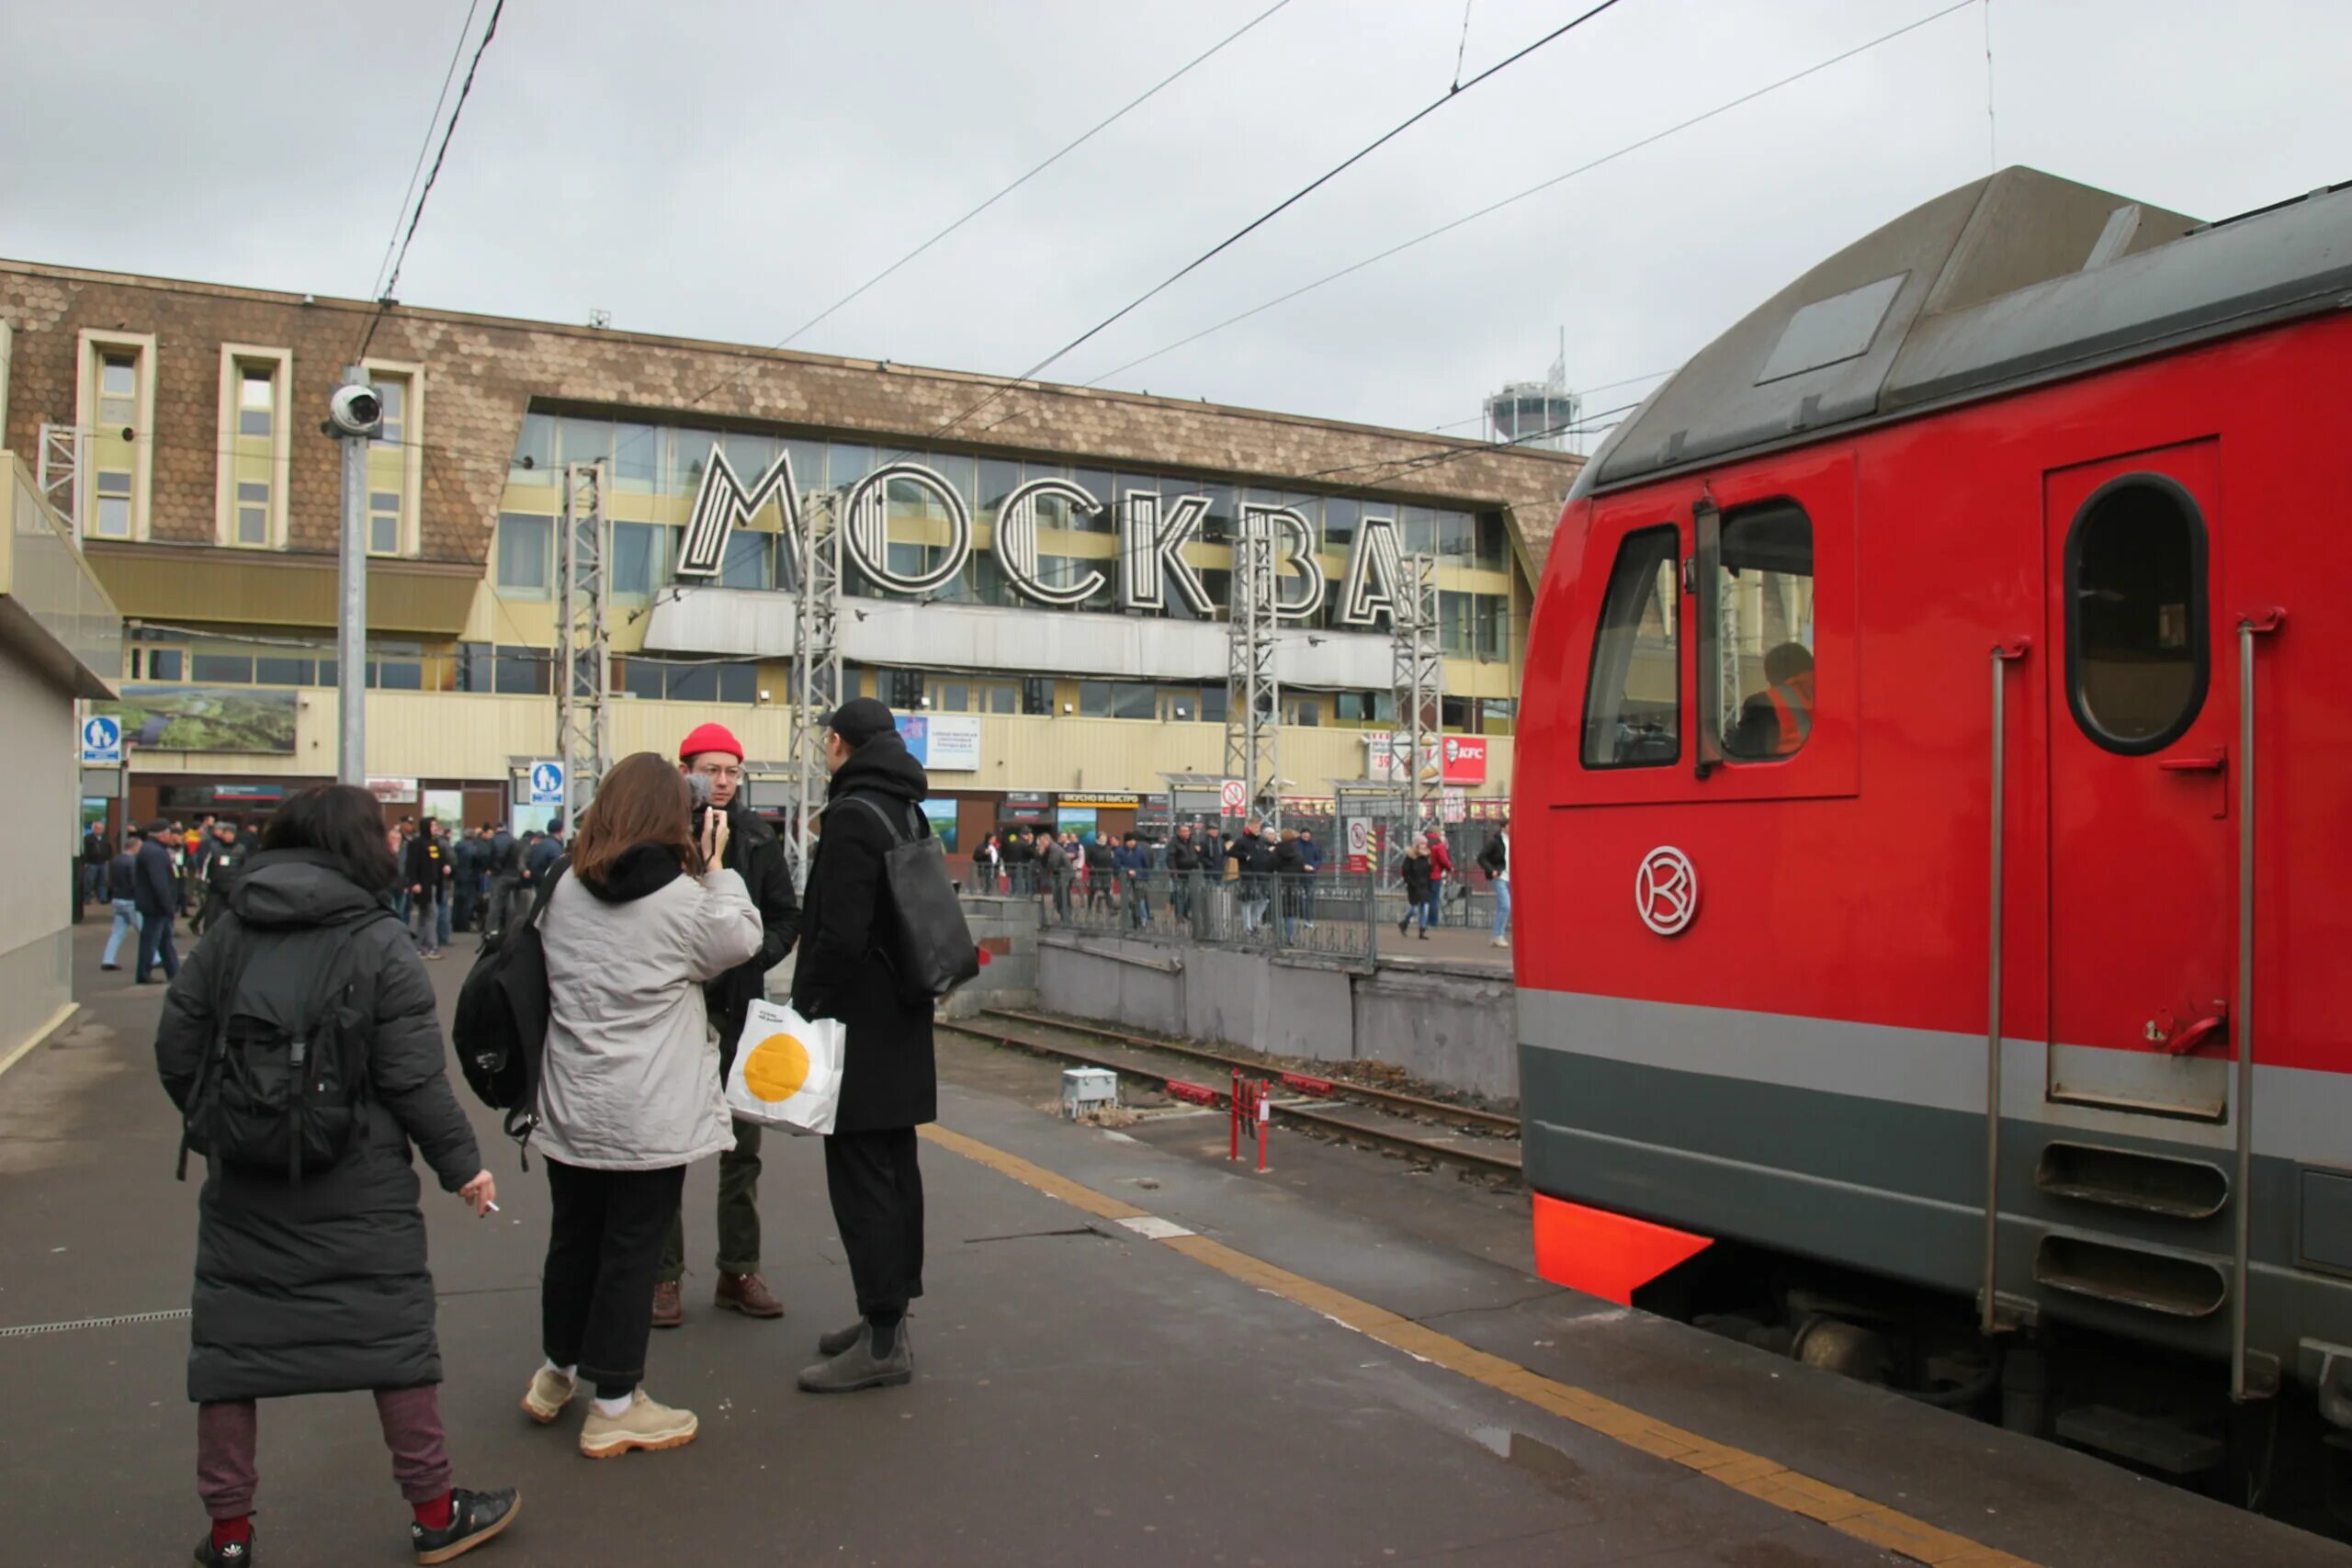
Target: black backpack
935 952
501 1028
283 1085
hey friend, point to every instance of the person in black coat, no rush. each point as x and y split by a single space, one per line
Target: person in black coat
756 853
889 1083
320 1286
157 894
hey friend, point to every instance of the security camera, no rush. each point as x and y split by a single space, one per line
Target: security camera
357 411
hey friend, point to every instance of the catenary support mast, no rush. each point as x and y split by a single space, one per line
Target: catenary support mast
1253 696
816 663
583 659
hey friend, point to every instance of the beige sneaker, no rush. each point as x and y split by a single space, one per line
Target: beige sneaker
550 1391
644 1424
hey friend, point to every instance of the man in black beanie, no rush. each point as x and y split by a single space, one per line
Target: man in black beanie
848 970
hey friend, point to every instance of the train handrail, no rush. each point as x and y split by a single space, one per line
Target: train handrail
2253 623
2004 655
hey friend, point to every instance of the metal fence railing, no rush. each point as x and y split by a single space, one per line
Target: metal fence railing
1339 915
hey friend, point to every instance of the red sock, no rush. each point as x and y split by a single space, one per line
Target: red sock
232 1532
436 1515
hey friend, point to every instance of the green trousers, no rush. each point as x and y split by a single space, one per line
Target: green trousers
739 1212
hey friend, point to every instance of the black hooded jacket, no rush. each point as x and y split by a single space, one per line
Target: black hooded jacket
320 1287
848 932
756 853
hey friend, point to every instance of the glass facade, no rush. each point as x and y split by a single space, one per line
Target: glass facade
657 469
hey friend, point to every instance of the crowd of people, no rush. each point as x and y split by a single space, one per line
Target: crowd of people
659 922
1273 875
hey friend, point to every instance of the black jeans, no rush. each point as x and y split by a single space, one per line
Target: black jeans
878 1207
596 1292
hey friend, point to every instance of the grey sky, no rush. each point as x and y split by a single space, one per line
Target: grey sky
727 169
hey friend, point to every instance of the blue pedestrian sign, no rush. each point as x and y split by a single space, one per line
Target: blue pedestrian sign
546 783
101 740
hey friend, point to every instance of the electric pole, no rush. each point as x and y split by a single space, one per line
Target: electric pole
356 414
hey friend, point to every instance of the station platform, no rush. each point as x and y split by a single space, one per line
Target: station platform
1130 1353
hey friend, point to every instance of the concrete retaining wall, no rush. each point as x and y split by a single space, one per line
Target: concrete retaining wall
1449 1027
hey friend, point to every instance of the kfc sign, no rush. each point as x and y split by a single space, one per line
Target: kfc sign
1454 759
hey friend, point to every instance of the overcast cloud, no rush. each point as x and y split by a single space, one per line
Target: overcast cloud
727 169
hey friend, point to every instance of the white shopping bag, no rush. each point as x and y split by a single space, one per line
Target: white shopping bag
788 1071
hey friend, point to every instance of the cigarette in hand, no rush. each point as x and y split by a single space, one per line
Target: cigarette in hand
494 1208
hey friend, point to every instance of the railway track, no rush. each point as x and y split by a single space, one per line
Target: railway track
1483 1141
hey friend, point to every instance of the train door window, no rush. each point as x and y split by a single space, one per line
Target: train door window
2136 615
1755 677
1633 706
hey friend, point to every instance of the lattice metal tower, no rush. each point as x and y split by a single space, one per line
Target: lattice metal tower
1418 682
60 472
583 652
1252 695
816 662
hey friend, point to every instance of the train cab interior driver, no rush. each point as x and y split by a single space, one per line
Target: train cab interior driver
1776 720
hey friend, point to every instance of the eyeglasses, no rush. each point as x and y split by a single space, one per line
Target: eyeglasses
721 771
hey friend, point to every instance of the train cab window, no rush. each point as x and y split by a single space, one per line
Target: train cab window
1761 613
1633 705
2136 615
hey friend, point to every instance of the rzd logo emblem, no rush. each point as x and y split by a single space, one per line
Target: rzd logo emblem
1666 890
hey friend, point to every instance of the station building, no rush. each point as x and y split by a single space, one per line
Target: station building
1039 572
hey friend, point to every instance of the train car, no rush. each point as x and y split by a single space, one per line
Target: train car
1933 848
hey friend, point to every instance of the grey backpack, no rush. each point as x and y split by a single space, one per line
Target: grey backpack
935 952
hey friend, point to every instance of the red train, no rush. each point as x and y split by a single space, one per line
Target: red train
1934 795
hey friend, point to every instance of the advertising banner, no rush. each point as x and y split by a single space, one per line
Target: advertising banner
1455 759
204 718
942 743
941 814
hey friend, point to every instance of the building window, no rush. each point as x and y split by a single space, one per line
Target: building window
1094 699
1307 711
384 522
1117 699
1037 695
636 559
165 663
1633 709
396 460
221 669
902 690
1213 700
659 680
2137 668
1002 696
1760 630
745 564
113 519
949 696
256 399
253 512
526 552
114 406
256 448
271 671
1490 627
523 671
118 391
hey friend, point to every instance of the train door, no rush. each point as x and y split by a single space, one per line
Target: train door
2142 879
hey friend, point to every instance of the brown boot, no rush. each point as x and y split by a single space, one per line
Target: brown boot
748 1294
669 1305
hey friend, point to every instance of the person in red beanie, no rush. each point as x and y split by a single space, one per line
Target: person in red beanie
756 853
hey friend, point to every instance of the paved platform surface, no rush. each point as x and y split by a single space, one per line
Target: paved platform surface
1341 1363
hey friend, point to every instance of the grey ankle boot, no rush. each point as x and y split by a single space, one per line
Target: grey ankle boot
858 1367
839 1339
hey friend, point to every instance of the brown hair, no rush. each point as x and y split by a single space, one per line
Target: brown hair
644 800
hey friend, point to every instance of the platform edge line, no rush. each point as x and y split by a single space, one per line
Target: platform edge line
1754 1475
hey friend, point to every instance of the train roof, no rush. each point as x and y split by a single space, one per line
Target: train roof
2012 279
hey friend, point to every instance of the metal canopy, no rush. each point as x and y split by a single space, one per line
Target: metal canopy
2008 280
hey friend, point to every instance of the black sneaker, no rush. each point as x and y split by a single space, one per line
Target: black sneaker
238 1554
474 1518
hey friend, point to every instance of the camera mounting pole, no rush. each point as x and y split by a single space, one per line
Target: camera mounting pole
351 618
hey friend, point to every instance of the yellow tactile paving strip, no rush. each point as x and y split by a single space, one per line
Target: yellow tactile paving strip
1765 1480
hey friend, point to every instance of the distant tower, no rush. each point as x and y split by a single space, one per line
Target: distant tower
1537 414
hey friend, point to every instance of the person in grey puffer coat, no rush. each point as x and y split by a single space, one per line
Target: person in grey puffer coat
641 916
321 1287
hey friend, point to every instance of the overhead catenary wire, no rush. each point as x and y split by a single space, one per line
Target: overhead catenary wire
1536 189
1285 205
392 280
423 146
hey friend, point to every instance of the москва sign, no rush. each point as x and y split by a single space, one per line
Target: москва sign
1153 531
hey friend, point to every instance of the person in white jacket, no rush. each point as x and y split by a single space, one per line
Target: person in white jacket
629 1092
